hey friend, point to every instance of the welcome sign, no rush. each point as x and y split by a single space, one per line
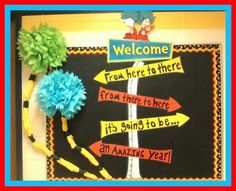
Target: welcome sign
132 50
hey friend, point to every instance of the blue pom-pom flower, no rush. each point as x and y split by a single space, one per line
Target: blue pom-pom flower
61 91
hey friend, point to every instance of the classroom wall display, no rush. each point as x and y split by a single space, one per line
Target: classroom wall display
140 119
135 109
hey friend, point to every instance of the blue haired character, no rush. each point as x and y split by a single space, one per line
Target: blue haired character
130 18
140 22
146 19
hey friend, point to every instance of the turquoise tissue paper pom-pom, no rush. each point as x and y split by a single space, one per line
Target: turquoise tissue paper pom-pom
59 91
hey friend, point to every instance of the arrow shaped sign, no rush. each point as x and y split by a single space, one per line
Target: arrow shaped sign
113 127
100 149
122 97
165 67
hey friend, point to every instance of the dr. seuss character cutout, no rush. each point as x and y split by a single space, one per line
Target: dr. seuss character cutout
140 23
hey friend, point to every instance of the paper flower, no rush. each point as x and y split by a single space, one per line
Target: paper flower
61 91
42 48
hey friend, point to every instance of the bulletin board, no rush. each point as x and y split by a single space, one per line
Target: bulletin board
162 121
195 146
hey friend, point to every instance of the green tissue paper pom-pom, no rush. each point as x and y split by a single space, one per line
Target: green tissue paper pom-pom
42 48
